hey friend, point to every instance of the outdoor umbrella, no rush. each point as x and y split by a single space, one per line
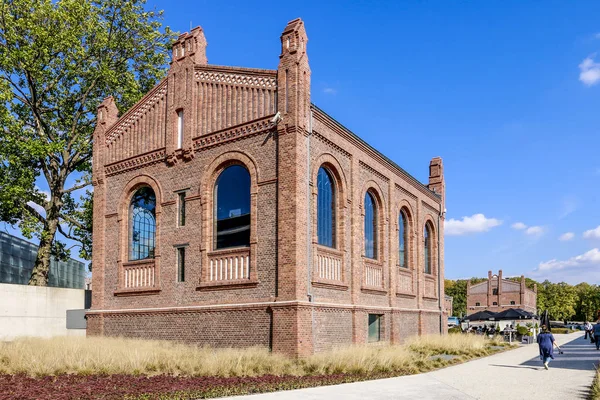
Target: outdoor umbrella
514 313
481 316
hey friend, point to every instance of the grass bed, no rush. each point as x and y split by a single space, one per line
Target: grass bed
107 368
595 389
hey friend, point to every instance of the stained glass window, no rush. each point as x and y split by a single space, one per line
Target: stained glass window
142 231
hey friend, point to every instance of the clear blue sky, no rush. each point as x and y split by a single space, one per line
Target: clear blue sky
505 92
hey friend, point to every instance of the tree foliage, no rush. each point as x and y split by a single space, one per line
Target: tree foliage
58 61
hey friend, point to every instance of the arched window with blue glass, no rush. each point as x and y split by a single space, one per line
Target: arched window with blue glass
402 239
232 208
142 226
325 208
370 234
427 251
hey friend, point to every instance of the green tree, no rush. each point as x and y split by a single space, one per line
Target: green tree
560 299
58 60
588 302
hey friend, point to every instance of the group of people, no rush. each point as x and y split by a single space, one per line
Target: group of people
593 331
482 330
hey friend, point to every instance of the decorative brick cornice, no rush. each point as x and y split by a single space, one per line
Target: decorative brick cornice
146 159
293 304
374 171
237 79
427 206
136 111
231 134
332 145
406 192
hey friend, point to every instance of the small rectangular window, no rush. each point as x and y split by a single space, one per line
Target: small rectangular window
512 303
181 264
181 209
179 129
374 327
495 291
495 303
477 304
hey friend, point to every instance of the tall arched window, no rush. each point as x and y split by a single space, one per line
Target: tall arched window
232 208
142 224
427 248
402 232
370 226
325 208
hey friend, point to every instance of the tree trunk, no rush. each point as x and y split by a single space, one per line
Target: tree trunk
41 267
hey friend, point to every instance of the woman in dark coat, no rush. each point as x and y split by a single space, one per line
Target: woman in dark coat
546 343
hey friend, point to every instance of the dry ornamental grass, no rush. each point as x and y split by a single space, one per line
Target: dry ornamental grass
117 368
103 355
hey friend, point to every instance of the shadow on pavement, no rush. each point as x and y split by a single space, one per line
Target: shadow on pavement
578 354
516 366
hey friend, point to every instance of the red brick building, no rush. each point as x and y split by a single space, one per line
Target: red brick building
498 294
231 211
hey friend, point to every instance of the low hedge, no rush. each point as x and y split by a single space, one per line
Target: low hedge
562 330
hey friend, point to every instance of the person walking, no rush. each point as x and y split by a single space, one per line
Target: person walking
588 330
596 331
546 344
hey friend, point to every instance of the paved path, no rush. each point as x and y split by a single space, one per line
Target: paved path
512 375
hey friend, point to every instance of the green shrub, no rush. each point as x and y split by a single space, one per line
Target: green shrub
522 330
455 329
562 330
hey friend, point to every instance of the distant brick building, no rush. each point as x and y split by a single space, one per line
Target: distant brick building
448 300
231 211
498 294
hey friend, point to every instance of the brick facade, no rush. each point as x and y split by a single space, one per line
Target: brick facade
294 295
498 294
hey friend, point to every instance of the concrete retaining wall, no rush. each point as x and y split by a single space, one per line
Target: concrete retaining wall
37 311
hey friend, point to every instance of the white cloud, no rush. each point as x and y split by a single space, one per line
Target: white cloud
565 237
597 35
592 233
473 224
529 230
589 71
534 230
329 90
581 268
588 259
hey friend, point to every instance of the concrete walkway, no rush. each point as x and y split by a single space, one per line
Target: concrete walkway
512 375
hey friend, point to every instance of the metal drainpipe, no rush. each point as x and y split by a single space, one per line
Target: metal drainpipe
438 272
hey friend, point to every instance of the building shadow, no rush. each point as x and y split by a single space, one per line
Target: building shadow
516 366
578 354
